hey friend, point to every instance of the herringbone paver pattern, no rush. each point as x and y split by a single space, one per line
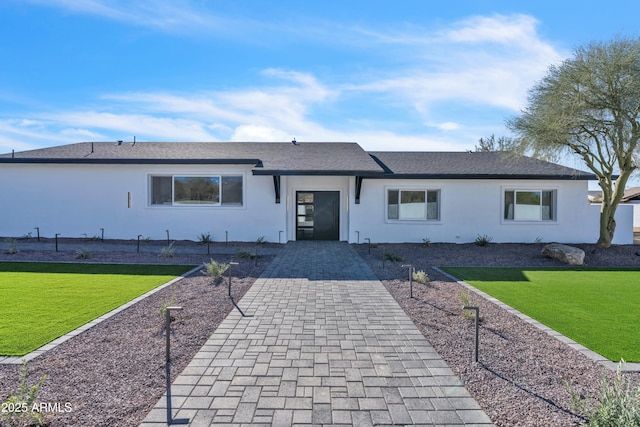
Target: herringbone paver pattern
325 344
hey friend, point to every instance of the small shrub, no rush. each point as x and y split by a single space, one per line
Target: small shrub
244 254
618 403
260 240
12 245
483 240
467 300
18 409
538 240
83 254
165 304
426 241
215 269
29 235
205 238
93 238
168 251
390 256
420 276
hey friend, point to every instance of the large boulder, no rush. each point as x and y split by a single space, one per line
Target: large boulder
567 254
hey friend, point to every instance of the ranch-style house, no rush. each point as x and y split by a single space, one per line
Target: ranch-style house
295 191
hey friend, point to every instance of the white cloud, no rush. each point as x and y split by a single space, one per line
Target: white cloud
163 15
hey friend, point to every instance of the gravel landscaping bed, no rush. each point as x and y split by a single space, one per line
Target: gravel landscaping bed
114 373
521 374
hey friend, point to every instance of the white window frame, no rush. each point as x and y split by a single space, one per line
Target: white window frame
425 218
539 219
173 204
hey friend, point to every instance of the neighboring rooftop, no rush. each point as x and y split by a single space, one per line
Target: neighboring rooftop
306 158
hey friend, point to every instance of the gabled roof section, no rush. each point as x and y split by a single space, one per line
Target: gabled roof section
466 165
302 158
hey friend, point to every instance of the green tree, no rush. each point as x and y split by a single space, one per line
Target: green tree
589 106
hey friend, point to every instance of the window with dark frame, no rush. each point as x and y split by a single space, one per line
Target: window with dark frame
413 205
195 190
529 205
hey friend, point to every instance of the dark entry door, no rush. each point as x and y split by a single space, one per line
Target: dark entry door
318 215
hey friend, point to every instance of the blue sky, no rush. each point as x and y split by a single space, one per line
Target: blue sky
390 75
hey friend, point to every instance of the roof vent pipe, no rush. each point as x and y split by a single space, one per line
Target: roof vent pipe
294 142
13 154
119 142
92 147
134 141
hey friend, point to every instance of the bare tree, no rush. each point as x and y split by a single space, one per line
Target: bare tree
589 106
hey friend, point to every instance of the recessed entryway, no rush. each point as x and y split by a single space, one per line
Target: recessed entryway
317 215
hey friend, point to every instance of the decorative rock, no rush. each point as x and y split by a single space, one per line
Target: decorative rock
567 254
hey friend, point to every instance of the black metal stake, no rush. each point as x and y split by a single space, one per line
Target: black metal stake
226 238
368 240
167 314
102 235
208 247
167 237
279 233
477 310
230 265
139 236
37 233
57 234
358 241
410 279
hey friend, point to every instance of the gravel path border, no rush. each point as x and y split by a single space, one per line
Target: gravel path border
113 373
522 374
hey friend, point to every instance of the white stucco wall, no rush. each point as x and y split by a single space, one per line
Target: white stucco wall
625 215
74 200
469 208
78 200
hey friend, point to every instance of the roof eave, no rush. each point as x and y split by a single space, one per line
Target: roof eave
133 161
546 177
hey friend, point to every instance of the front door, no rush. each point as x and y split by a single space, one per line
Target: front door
318 215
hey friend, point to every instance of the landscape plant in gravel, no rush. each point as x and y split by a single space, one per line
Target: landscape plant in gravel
12 245
467 300
18 410
215 269
618 402
168 251
483 240
420 276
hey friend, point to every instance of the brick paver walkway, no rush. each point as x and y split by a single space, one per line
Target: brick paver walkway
322 343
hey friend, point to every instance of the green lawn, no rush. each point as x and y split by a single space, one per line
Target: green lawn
599 308
40 302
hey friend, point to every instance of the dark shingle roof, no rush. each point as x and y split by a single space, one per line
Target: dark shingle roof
306 158
464 165
303 158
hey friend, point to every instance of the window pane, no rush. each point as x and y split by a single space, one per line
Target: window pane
412 205
433 209
547 206
194 190
160 190
508 204
527 206
392 204
232 190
